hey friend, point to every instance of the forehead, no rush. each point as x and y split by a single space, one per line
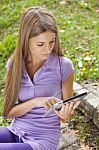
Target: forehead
43 37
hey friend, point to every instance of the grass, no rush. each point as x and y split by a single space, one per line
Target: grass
78 23
86 130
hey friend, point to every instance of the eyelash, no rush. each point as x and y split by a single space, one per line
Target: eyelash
42 44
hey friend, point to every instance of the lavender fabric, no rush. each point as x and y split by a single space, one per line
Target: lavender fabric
9 141
42 133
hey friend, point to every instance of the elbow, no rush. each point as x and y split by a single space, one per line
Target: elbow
8 115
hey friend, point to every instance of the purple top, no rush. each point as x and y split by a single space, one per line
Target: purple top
42 133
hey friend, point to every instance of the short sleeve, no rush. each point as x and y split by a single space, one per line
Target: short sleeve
66 67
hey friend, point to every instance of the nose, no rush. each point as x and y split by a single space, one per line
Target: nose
48 49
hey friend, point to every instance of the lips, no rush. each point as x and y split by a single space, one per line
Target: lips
45 54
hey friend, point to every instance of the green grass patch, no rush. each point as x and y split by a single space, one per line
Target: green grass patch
86 129
78 23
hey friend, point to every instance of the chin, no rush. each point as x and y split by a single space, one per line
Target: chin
44 57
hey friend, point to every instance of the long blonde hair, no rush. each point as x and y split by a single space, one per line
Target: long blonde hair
34 21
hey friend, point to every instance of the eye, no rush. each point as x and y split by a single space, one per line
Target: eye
52 41
40 44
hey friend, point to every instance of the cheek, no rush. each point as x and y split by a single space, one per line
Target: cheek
52 46
36 51
32 48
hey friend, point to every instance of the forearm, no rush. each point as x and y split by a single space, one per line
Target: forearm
22 108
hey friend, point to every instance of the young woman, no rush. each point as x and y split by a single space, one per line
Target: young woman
38 76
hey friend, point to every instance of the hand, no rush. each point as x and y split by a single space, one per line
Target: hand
46 102
67 110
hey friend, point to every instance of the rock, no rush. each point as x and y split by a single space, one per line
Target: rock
90 107
90 104
69 140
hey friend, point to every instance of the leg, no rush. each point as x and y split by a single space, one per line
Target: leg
6 136
15 146
8 141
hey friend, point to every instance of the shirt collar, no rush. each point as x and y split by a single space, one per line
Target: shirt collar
52 62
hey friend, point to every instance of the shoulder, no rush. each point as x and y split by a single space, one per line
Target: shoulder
66 63
66 67
65 60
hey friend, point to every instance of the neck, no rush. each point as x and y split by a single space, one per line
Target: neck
35 64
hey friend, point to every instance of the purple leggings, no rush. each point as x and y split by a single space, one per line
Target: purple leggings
9 141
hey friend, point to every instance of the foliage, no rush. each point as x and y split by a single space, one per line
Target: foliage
7 46
78 23
4 122
86 130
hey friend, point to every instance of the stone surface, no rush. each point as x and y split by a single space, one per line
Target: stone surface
90 103
69 140
89 106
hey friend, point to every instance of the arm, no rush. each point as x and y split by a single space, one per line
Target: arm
67 87
22 108
67 110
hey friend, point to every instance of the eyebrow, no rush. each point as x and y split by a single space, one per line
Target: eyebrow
50 40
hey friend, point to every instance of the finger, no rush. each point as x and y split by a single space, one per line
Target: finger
46 106
76 104
62 109
72 112
52 101
70 108
66 108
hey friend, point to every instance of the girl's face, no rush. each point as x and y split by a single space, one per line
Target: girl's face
41 46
